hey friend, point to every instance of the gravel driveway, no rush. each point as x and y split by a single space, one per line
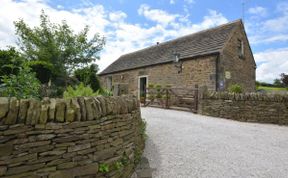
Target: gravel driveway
182 144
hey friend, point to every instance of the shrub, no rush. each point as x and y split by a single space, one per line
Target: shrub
158 90
10 62
118 165
150 85
143 127
235 88
125 159
79 90
137 155
104 168
104 92
23 85
88 76
42 69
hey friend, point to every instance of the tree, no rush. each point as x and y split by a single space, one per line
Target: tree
58 45
88 76
277 83
42 69
284 79
23 85
10 62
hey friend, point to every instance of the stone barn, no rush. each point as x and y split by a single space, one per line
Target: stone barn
216 58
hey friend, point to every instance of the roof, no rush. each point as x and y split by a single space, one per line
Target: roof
205 42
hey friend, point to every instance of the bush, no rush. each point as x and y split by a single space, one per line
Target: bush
42 69
79 90
143 127
104 92
104 168
150 85
23 85
235 88
10 62
88 76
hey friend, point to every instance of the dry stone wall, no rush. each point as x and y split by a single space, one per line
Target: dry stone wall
250 107
79 137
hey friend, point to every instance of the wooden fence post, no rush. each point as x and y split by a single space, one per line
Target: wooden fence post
196 98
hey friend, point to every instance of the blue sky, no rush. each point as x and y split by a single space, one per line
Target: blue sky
130 25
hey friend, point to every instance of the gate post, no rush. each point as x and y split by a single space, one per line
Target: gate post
166 102
196 98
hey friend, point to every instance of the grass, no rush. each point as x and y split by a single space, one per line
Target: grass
271 88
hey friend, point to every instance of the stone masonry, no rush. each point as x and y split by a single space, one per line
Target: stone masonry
241 69
217 69
199 71
250 107
59 138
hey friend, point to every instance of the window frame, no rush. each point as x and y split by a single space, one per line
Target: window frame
240 48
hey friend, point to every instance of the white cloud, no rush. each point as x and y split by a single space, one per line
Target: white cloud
122 37
157 15
271 30
279 24
282 7
258 10
212 19
172 2
117 16
189 1
268 39
273 62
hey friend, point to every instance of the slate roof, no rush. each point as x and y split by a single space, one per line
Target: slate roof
197 44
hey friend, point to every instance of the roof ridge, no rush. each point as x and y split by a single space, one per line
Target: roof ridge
184 36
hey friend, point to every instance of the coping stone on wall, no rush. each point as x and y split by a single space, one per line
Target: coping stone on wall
4 107
52 110
81 102
44 111
11 118
33 112
24 105
60 110
69 112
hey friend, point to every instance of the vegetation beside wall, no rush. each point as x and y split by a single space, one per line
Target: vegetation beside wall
52 55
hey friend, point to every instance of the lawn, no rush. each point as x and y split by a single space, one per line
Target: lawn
271 88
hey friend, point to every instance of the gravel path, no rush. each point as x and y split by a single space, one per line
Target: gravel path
186 145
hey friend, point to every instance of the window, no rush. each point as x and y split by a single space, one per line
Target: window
109 83
240 48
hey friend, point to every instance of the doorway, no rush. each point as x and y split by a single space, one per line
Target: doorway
143 80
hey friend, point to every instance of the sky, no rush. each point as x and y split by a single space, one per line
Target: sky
130 25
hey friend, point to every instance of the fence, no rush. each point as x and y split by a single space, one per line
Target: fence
168 97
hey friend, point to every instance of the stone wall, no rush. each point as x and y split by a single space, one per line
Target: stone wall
251 107
200 71
78 137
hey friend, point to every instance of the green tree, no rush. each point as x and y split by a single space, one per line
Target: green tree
23 85
277 83
88 76
284 79
10 62
58 45
42 69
